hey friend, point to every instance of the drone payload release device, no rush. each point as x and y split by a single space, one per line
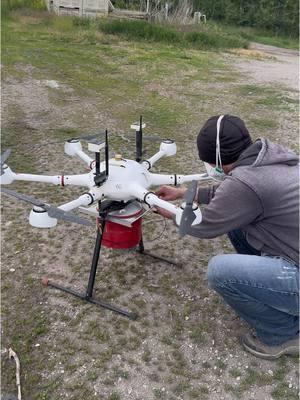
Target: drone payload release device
118 195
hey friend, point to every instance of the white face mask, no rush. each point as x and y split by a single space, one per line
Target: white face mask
216 173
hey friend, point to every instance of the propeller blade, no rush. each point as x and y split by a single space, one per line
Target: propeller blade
58 213
53 212
189 195
23 197
97 138
3 158
153 138
188 215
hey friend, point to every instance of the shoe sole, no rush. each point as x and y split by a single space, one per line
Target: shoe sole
286 352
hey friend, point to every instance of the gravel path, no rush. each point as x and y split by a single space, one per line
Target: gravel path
282 66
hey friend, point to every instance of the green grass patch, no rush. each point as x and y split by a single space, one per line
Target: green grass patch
10 5
145 31
255 35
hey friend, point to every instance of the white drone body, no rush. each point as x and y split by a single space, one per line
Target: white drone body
127 180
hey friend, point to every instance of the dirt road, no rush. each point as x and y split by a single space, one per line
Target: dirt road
281 68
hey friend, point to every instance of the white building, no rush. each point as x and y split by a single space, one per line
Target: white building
81 8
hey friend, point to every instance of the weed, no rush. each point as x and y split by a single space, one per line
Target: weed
146 357
282 391
181 388
159 393
114 396
198 335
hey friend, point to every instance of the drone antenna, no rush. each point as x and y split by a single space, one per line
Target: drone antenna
106 154
97 159
96 146
139 141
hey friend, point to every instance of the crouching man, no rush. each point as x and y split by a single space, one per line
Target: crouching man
256 203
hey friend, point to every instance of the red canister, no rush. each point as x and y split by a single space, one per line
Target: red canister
123 228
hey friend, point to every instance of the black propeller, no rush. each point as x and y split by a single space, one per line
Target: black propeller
188 215
3 158
53 212
97 138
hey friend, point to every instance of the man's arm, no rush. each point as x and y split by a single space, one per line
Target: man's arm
206 194
234 205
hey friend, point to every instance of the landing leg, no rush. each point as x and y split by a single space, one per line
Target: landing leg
141 250
88 296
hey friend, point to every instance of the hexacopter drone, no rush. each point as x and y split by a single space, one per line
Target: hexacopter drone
117 194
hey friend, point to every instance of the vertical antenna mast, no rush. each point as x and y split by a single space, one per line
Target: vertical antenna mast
139 141
106 154
97 146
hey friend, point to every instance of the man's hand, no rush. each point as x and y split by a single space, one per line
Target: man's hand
169 193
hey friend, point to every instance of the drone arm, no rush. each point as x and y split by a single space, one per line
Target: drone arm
152 160
74 148
84 200
84 157
167 148
63 180
194 177
151 199
159 179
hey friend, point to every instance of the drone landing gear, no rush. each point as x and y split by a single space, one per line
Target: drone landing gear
141 250
104 210
88 295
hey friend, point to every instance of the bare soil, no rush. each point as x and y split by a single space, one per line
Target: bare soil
282 67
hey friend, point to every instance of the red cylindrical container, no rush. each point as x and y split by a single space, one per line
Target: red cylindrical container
119 236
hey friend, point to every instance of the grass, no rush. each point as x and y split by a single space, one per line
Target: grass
173 35
256 35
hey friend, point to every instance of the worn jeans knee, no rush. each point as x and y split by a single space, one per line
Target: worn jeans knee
262 290
220 269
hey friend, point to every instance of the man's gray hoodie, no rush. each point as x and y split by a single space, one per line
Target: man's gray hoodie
259 196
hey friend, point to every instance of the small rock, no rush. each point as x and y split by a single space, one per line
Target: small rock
52 84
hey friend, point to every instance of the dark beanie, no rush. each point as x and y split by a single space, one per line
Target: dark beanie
234 139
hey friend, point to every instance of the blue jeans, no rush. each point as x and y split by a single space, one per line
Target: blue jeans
263 290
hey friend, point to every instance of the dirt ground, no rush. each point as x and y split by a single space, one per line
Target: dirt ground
184 344
282 67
